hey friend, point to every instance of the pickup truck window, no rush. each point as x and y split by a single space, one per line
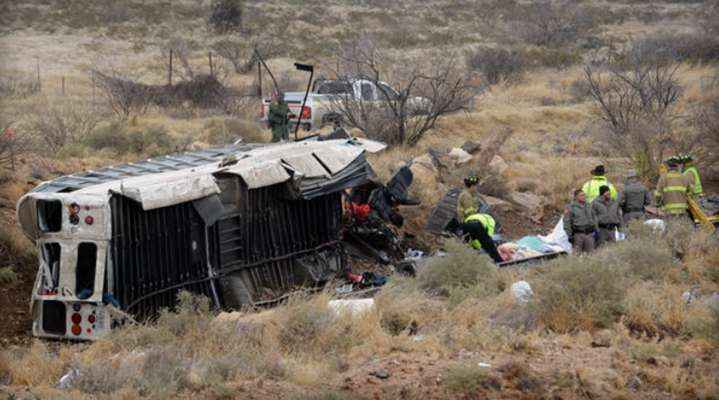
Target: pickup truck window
367 92
385 92
334 87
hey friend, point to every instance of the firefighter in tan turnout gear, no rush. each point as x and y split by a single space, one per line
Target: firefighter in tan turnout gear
672 190
467 200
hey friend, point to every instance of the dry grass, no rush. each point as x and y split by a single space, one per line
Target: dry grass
578 293
653 309
458 305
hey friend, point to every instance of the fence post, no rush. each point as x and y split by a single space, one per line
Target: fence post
39 83
259 80
63 85
212 69
169 72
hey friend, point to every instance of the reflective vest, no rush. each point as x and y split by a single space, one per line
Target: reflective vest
486 220
591 188
697 189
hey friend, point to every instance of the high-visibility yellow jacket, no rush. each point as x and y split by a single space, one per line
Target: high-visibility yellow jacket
486 220
591 188
671 192
693 173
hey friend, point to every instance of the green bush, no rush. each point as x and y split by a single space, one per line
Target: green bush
108 136
537 57
578 292
7 275
219 131
639 258
463 271
226 15
151 140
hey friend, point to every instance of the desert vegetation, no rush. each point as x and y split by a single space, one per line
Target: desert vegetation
548 89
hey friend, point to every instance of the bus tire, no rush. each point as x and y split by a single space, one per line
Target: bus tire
235 294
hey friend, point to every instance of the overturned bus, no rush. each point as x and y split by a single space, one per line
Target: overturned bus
242 225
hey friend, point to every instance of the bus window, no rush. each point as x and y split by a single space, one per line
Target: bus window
85 270
49 215
51 253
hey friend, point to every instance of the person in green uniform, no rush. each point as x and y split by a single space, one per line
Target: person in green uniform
278 118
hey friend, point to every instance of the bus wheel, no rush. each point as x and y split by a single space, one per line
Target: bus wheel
235 294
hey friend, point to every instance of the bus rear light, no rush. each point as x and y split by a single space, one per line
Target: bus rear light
91 318
76 330
306 113
76 318
89 220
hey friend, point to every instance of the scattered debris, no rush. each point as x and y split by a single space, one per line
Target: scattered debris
691 295
656 224
67 379
344 289
484 365
522 291
352 306
380 373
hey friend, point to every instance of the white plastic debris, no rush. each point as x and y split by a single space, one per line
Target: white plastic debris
688 297
656 224
344 289
521 291
558 237
352 306
619 236
66 380
412 254
484 365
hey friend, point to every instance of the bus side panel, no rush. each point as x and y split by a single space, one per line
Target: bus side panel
265 237
156 254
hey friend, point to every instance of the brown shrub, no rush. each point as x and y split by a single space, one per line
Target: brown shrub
655 309
468 378
498 65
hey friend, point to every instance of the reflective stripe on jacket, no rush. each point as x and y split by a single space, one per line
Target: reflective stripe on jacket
693 173
486 220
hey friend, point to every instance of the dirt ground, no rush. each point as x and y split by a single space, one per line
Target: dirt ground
15 328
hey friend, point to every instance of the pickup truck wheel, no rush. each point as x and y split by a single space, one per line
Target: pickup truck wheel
235 293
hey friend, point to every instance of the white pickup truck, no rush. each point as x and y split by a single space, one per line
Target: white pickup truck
318 110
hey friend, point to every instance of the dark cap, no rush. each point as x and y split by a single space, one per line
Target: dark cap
598 170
